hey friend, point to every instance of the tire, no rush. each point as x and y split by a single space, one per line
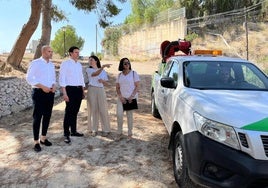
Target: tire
180 167
155 112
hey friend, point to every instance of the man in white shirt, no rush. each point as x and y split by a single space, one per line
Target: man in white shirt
41 76
71 80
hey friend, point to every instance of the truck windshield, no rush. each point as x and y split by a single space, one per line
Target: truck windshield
224 75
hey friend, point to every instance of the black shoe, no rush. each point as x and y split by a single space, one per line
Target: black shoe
37 148
77 134
46 142
67 139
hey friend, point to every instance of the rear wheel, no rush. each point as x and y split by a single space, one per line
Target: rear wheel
179 163
155 112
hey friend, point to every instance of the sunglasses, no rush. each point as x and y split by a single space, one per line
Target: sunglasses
126 63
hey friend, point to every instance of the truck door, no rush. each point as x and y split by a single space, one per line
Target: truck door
161 91
173 73
165 94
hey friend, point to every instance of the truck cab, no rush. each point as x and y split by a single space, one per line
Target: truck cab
215 111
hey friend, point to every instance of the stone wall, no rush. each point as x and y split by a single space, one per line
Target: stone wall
146 42
15 95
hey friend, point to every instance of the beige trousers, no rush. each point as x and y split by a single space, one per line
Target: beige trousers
97 109
120 114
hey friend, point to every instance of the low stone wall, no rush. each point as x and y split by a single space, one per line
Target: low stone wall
15 95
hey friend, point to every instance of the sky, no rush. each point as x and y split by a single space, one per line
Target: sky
15 13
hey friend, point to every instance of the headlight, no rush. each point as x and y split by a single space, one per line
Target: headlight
216 131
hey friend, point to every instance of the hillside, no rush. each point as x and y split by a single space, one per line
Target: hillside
233 42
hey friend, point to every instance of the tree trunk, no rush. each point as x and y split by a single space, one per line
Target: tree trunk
18 50
46 27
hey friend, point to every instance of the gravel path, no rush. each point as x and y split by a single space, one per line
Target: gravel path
95 162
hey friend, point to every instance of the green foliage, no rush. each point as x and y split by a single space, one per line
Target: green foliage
110 42
264 10
105 9
64 39
194 8
99 55
149 15
57 15
191 36
197 8
144 11
162 5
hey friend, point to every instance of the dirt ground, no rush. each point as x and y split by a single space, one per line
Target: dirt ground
95 162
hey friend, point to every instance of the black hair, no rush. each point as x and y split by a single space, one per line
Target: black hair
73 48
121 64
97 60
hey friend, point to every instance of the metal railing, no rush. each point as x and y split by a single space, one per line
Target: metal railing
169 15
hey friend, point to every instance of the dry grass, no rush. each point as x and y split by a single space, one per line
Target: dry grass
233 43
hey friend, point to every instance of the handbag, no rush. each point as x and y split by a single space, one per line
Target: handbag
130 106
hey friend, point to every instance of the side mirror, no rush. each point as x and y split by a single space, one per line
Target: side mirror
168 83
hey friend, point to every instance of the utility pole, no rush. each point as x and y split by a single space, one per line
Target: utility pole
246 28
64 41
96 40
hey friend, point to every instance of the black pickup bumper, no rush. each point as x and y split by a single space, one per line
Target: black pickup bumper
215 165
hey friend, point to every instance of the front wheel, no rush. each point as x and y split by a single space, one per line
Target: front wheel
180 167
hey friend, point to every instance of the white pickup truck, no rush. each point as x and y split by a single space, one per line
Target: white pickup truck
215 110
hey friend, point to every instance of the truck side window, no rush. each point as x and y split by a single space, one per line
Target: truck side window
174 73
251 79
167 69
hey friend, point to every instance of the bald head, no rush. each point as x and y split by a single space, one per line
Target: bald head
46 52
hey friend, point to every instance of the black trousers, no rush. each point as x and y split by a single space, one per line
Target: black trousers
75 94
42 109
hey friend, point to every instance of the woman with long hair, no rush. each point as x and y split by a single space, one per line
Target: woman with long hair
96 96
127 85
